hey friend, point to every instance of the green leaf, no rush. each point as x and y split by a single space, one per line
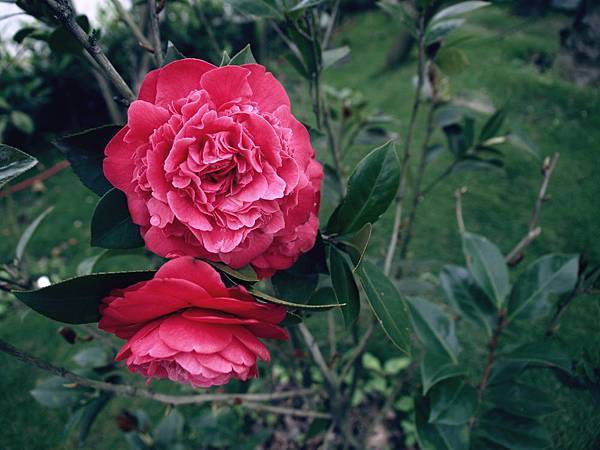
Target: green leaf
433 436
344 286
258 8
456 140
551 274
334 55
20 35
76 300
371 188
245 273
434 327
92 357
322 296
453 402
244 56
295 287
53 393
436 367
548 353
451 61
85 152
172 54
387 304
170 429
512 432
28 233
492 125
270 299
487 266
476 164
355 245
467 298
371 362
441 29
520 399
458 9
22 121
520 141
111 223
394 366
90 413
62 41
13 163
399 12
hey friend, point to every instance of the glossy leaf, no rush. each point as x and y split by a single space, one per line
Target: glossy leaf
513 432
436 367
492 126
13 163
62 41
458 9
520 399
244 56
549 353
295 287
85 152
111 223
172 54
28 233
344 286
434 327
270 299
53 393
452 402
356 244
433 436
441 29
334 55
551 274
90 413
245 273
322 296
76 300
487 266
399 12
371 188
387 304
467 298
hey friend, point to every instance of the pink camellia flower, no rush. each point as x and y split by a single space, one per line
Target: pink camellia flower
185 325
214 165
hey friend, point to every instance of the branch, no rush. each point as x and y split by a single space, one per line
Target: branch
135 29
533 231
65 15
359 349
314 350
493 346
389 257
458 207
133 391
155 32
287 411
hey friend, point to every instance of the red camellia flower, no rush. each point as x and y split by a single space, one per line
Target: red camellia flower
214 165
185 325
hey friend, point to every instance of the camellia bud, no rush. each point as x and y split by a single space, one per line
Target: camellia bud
126 421
68 334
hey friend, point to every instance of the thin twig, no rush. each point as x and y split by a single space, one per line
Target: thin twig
458 208
330 26
492 346
532 231
287 411
314 350
359 349
155 33
65 15
135 29
389 257
107 96
133 391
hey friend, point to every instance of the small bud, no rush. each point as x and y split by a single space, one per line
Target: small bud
126 421
68 334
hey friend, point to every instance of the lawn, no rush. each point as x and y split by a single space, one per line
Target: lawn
555 115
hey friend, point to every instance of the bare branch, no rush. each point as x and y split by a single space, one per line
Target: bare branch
155 32
135 29
65 15
287 411
133 391
314 350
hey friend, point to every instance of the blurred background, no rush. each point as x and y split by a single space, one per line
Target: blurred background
539 60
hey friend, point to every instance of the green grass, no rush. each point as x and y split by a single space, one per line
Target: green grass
556 115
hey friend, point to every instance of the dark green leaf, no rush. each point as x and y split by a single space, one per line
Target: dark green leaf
476 164
399 12
520 399
453 402
245 273
28 233
22 122
356 244
61 40
451 61
492 125
53 393
111 223
487 266
244 56
436 367
432 152
169 429
344 286
433 436
90 413
322 296
20 35
85 152
512 432
258 8
334 55
172 53
76 300
92 357
551 274
434 327
270 299
387 304
456 140
469 131
13 163
467 298
371 188
548 353
295 287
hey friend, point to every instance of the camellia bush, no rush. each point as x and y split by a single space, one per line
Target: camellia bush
214 179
